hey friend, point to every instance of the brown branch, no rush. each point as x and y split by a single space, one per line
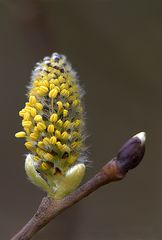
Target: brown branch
128 157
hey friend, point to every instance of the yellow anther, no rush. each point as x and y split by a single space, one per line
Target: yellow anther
44 166
65 148
51 75
50 128
67 105
46 141
42 90
77 123
34 136
48 156
41 145
53 140
72 159
29 146
27 130
61 79
36 158
20 135
38 118
76 135
60 105
54 117
64 86
40 152
57 72
36 129
45 78
53 93
59 123
75 144
32 100
52 85
65 93
65 113
33 112
45 83
56 82
57 134
21 113
27 116
59 145
75 103
50 69
36 83
41 126
39 106
26 124
67 124
64 136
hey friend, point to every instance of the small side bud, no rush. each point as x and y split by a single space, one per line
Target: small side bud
70 181
33 175
132 152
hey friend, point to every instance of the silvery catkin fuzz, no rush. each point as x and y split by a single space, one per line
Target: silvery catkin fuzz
53 124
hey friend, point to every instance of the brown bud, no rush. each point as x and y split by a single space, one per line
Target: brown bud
132 152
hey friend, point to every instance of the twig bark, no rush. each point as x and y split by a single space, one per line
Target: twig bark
128 157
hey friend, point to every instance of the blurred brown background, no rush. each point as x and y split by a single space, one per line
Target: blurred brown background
116 47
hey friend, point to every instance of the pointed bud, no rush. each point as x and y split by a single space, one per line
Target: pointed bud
132 152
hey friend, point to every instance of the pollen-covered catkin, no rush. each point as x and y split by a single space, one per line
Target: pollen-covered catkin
52 119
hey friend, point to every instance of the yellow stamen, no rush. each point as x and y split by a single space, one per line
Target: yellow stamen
64 136
41 126
39 106
65 113
20 135
53 140
26 124
46 141
54 117
57 134
32 100
50 128
53 93
38 118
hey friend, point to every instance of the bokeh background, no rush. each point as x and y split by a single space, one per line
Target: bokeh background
116 47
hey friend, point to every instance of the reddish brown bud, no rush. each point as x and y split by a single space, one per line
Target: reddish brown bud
132 152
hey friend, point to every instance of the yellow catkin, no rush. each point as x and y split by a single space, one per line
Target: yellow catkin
52 117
